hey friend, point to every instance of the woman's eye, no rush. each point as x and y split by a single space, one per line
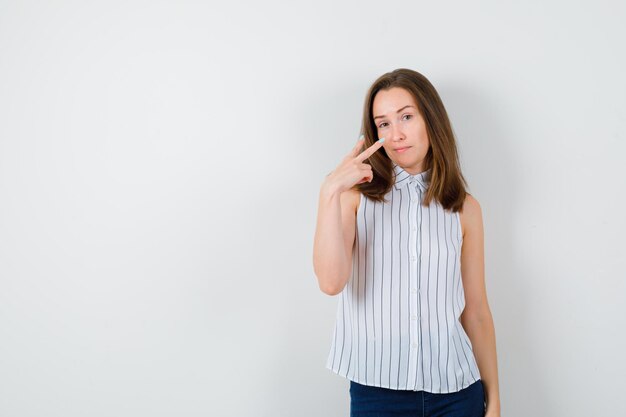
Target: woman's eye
408 116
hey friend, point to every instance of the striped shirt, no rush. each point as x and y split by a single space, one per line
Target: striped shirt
398 317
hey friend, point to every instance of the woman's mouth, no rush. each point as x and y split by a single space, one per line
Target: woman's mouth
400 150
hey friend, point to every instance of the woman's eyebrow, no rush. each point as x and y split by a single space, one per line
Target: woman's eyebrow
399 110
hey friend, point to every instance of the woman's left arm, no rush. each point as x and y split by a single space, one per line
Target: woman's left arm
476 317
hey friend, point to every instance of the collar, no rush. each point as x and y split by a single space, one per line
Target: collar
403 178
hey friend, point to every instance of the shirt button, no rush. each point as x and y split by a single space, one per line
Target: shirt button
413 317
413 290
415 345
414 228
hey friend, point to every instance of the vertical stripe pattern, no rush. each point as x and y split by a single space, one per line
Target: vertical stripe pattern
398 317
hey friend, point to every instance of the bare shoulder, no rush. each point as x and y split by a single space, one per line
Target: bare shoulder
352 198
471 214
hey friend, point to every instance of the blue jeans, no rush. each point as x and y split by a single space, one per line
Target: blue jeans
369 401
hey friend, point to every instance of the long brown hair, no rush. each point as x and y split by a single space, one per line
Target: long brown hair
446 182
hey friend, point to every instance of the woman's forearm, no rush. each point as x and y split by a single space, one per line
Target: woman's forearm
331 263
481 332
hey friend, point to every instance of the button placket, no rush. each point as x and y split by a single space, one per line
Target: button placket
417 292
414 255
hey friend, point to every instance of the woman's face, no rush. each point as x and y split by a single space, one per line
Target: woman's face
398 121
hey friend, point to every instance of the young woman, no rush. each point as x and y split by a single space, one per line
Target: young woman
400 239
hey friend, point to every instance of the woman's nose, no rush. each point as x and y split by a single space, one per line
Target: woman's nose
396 133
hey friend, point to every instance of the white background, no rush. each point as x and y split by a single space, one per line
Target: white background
159 172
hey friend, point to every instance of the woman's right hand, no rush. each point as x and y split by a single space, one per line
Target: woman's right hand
352 170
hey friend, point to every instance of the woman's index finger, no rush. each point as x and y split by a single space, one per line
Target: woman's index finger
369 151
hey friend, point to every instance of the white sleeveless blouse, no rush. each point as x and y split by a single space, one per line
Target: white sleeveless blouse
398 318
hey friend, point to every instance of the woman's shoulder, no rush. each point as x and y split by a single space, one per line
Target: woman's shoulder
470 203
470 214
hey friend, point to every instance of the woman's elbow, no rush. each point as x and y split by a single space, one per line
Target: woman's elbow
330 286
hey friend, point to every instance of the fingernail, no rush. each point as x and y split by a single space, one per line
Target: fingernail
381 139
361 137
